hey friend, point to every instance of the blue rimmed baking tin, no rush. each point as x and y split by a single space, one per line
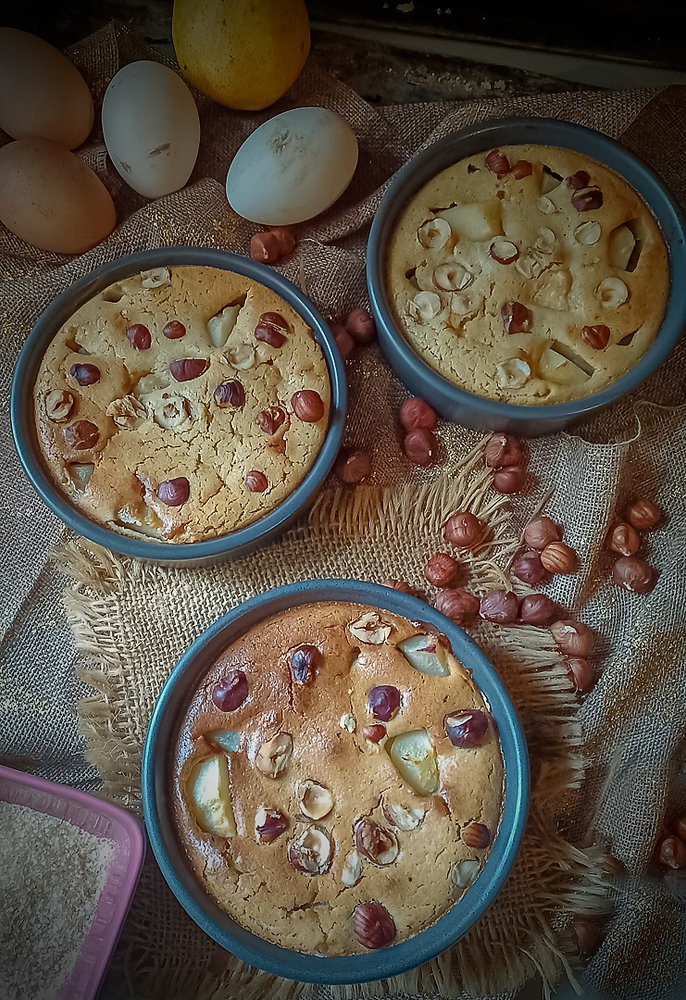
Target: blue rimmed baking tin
476 411
158 756
236 543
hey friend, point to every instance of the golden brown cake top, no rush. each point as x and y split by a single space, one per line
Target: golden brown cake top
315 776
528 274
181 403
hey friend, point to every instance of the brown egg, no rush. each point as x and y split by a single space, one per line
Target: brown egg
51 198
42 93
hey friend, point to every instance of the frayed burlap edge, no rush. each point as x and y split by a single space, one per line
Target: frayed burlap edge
563 879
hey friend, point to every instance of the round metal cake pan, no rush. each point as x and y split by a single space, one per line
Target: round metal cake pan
235 543
468 408
157 776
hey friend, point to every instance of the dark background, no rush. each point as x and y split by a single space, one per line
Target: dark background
647 33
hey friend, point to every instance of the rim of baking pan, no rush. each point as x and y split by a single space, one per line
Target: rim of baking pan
158 809
59 311
539 131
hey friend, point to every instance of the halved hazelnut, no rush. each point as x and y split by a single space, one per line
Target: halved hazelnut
516 317
229 393
403 819
375 842
528 267
512 373
274 755
504 251
304 663
522 168
383 701
269 824
188 368
612 292
546 205
155 277
81 435
434 234
373 925
58 405
272 329
587 199
424 306
139 337
596 337
170 411
452 277
311 852
241 356
587 233
374 734
270 420
351 872
370 629
545 241
315 800
464 872
85 374
427 653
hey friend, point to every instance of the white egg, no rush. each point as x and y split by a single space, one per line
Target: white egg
151 128
292 167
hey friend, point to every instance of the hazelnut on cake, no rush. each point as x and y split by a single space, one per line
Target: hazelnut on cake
181 404
528 274
338 779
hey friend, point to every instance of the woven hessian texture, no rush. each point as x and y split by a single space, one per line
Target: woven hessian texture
603 768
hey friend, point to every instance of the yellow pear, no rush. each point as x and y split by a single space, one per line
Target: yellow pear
242 53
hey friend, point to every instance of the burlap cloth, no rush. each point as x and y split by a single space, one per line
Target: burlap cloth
605 769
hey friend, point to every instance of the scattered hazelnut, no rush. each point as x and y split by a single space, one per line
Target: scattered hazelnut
269 824
271 329
476 835
374 733
400 585
373 925
58 405
351 872
401 818
286 238
581 672
463 529
270 420
375 842
537 609
540 532
307 405
672 852
501 450
139 337
500 606
174 492
497 163
634 574
85 374
623 539
572 638
311 851
315 800
642 515
81 435
360 326
230 692
344 342
274 755
420 446
587 935
369 628
188 368
304 663
466 727
522 168
265 247
509 480
229 393
557 557
528 568
587 199
416 413
503 251
256 481
352 467
441 570
174 330
457 604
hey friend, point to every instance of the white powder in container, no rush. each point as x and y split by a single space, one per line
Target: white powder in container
51 876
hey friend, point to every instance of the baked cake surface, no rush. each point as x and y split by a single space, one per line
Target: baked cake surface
528 274
165 404
321 819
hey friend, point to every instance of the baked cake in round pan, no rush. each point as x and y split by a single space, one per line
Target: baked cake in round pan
338 779
528 274
181 404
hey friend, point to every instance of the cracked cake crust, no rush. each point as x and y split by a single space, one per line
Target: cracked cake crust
122 407
254 881
545 228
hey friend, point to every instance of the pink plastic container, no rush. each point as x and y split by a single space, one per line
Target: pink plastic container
110 823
